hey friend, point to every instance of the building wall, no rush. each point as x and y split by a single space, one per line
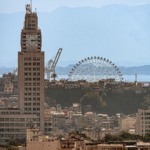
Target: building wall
143 122
49 145
13 126
31 68
126 123
8 88
110 147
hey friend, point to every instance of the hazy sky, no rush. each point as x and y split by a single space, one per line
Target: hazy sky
49 5
128 33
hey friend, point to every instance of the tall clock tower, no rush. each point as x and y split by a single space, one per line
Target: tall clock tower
31 68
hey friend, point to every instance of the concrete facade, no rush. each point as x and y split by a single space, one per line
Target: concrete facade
143 122
14 122
31 68
127 123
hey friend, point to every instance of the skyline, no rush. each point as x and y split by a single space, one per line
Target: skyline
91 34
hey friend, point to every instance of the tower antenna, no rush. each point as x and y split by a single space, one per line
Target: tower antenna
136 79
31 4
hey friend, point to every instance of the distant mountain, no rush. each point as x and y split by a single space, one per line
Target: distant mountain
6 70
61 70
145 70
117 32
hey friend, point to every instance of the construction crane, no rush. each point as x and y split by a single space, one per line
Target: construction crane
15 71
51 65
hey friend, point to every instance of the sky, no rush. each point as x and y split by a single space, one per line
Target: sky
137 30
9 6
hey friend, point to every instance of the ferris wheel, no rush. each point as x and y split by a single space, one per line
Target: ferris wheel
93 69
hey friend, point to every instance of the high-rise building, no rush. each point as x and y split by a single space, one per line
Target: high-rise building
15 121
31 68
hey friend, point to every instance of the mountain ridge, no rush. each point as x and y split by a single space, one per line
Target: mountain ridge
122 35
61 70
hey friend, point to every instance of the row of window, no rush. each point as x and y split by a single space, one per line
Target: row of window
34 74
29 109
16 119
34 63
34 99
34 83
10 112
147 131
34 104
29 28
33 69
32 24
24 36
24 41
39 45
146 122
31 79
13 125
12 135
31 58
12 119
147 126
29 94
148 118
33 89
146 113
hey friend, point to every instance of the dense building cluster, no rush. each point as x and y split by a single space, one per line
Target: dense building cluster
35 139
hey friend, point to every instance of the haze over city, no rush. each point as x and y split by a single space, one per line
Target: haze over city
117 30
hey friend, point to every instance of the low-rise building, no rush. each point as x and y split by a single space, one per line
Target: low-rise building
110 147
127 123
72 142
36 140
8 88
13 124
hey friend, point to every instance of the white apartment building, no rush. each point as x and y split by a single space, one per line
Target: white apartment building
143 122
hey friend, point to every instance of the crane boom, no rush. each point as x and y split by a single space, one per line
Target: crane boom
51 65
56 60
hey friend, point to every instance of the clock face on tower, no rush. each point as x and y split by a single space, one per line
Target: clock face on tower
31 40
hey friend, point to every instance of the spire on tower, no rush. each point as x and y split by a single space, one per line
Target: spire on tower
28 9
135 79
31 4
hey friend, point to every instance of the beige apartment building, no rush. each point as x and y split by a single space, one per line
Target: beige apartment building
143 122
13 124
8 88
127 123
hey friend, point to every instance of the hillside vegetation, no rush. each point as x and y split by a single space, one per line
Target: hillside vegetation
126 102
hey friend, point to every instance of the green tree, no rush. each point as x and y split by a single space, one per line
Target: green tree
123 136
126 136
110 138
146 138
92 99
146 103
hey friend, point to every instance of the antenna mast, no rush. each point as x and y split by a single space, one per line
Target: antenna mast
31 4
136 79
